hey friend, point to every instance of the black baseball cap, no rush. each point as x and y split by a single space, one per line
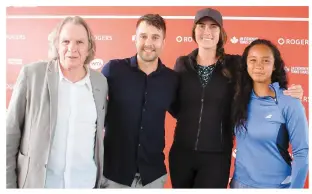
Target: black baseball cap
209 12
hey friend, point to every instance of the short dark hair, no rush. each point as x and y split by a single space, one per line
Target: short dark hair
155 20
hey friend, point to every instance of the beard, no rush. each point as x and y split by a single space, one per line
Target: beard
148 57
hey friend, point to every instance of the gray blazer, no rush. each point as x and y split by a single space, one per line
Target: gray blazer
31 120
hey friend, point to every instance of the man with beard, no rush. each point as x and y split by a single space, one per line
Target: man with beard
141 90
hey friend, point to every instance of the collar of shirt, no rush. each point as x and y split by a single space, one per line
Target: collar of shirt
134 63
84 81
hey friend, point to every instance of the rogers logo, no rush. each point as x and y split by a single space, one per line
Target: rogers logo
16 36
184 39
96 64
133 37
281 41
103 37
14 61
305 99
292 41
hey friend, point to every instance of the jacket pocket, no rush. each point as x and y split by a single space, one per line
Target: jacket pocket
22 169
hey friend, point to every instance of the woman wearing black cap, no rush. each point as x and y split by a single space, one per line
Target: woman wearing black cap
200 156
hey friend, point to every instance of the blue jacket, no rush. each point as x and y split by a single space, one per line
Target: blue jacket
262 157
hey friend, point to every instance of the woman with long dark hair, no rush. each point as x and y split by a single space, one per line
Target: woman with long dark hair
200 156
266 121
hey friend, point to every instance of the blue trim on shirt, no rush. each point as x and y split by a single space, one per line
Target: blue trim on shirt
259 162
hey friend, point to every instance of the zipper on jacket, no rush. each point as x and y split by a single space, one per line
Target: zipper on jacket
221 134
275 99
200 117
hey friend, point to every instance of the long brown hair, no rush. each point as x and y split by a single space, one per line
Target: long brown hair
220 53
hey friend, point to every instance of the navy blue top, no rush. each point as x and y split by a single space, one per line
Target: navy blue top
135 122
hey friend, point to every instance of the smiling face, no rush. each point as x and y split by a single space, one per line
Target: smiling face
149 42
207 33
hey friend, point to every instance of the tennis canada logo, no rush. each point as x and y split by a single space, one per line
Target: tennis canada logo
234 40
297 70
242 40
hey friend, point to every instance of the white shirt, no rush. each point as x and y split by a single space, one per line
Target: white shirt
71 161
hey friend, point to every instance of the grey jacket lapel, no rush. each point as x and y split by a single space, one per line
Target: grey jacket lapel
96 92
53 81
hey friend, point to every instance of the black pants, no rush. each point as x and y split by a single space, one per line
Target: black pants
193 169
